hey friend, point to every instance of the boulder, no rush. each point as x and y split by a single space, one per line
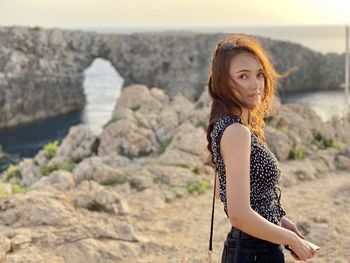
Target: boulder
76 146
95 197
61 180
44 207
30 172
94 169
128 138
278 142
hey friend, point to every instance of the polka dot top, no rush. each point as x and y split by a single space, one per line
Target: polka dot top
264 174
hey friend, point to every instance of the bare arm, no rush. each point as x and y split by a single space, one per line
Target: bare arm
235 151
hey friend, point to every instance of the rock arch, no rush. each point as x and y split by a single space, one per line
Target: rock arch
102 87
41 70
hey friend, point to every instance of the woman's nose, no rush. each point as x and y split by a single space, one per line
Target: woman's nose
255 84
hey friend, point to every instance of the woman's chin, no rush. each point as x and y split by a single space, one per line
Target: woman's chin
255 102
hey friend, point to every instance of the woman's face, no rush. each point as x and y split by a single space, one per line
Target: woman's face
247 71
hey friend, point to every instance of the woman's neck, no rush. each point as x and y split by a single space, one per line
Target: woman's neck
245 116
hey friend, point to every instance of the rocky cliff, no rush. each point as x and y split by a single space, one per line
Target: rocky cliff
41 70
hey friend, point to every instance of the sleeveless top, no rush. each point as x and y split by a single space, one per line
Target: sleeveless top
265 195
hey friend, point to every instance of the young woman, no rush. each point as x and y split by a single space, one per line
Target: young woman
241 85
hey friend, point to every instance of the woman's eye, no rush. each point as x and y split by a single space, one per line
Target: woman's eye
261 75
243 76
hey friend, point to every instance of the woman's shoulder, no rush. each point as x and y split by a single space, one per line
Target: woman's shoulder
235 142
225 121
236 132
231 127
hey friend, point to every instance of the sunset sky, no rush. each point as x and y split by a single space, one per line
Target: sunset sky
180 13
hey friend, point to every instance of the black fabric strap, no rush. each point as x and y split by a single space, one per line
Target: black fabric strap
212 218
212 224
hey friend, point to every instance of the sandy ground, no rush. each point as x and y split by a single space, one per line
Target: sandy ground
179 232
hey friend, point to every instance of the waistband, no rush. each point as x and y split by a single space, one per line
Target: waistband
233 234
248 242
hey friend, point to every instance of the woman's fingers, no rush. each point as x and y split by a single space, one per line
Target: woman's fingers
294 256
313 251
300 234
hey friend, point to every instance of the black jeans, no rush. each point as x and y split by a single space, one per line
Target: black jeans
251 249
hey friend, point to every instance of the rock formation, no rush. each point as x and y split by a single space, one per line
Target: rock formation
41 70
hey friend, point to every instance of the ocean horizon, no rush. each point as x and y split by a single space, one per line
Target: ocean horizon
324 39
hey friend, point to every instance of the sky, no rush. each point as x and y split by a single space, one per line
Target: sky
170 13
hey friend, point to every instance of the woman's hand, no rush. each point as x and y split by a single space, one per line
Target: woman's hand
300 249
288 224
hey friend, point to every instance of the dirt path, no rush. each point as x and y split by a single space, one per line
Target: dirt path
179 232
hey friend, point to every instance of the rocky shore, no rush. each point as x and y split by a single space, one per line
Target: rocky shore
133 193
41 70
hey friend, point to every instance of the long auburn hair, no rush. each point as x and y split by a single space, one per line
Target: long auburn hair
220 85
